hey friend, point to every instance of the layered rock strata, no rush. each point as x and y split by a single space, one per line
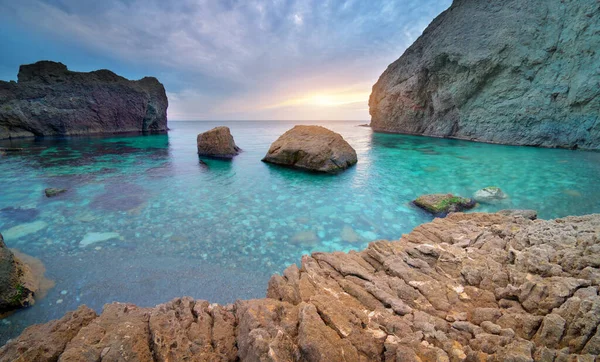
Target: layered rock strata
50 100
469 287
511 72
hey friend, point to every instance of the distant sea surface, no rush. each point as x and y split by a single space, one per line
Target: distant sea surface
144 221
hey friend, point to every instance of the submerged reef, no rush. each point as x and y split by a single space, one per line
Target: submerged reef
469 287
50 100
512 72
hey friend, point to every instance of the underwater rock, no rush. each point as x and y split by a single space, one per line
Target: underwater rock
51 191
489 195
21 230
21 279
19 214
312 148
469 287
50 100
93 237
527 214
349 235
442 204
218 142
308 237
511 72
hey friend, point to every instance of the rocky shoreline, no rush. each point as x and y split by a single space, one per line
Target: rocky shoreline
468 287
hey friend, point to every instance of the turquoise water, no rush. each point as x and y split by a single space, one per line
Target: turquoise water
173 226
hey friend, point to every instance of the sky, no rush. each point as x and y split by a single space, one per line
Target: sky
225 59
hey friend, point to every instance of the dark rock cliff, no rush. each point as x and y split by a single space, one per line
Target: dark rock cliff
50 100
512 72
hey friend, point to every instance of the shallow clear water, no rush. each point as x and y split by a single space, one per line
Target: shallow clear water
218 231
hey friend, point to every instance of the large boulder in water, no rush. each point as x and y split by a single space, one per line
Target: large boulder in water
513 72
312 148
50 100
218 142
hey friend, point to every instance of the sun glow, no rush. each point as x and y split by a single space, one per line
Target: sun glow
326 99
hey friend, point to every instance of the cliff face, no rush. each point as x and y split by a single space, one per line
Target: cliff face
469 287
50 100
513 72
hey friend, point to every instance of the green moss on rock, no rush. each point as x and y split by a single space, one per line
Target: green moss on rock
441 204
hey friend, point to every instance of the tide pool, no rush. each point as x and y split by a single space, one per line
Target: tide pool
145 221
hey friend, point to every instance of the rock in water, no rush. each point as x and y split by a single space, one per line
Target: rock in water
16 287
51 191
50 100
312 148
513 72
218 142
469 287
442 204
489 195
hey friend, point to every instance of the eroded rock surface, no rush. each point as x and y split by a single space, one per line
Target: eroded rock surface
511 71
50 100
218 142
469 287
18 280
312 148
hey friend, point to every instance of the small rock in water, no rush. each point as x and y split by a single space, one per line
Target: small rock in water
93 237
63 292
489 195
24 229
59 301
51 191
572 193
442 204
218 142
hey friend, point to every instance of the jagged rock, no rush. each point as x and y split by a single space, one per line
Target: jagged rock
51 191
527 214
312 148
218 142
468 287
511 72
489 195
442 204
50 100
46 342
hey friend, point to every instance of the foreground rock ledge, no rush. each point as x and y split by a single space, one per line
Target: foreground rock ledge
470 287
312 148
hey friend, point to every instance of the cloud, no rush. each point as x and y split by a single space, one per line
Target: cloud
233 53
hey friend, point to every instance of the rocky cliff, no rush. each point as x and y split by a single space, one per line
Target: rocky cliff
514 72
50 100
470 287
